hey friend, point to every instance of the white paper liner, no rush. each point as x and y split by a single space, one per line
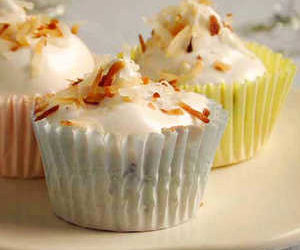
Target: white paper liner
128 183
19 153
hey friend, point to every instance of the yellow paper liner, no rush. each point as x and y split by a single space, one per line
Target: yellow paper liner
253 106
19 153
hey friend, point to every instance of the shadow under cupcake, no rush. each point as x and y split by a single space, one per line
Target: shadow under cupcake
123 153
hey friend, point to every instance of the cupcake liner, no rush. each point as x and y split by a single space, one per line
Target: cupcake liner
128 183
19 153
253 107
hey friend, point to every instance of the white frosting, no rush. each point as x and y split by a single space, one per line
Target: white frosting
166 53
62 59
57 65
116 115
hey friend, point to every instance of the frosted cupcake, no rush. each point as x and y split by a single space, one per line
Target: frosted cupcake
192 47
37 55
122 153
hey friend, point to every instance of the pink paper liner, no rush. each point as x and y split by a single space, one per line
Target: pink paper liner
19 153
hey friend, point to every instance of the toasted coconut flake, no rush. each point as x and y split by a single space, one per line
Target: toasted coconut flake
75 83
53 24
178 27
151 106
156 95
142 43
41 27
75 29
3 28
194 112
47 113
108 79
206 112
220 66
214 26
15 47
164 84
39 35
173 83
177 111
94 99
206 2
51 29
127 99
146 80
189 48
179 43
34 27
66 123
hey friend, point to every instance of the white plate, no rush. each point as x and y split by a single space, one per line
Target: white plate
254 205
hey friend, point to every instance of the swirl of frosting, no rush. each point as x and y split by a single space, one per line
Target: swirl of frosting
192 44
115 98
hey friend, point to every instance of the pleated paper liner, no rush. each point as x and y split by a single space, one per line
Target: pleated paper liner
128 183
19 153
253 106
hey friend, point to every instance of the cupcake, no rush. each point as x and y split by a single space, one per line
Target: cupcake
37 55
193 47
122 153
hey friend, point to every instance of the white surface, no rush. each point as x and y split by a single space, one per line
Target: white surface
254 205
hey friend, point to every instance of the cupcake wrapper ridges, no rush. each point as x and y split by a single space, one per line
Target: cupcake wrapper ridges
128 183
19 153
253 107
